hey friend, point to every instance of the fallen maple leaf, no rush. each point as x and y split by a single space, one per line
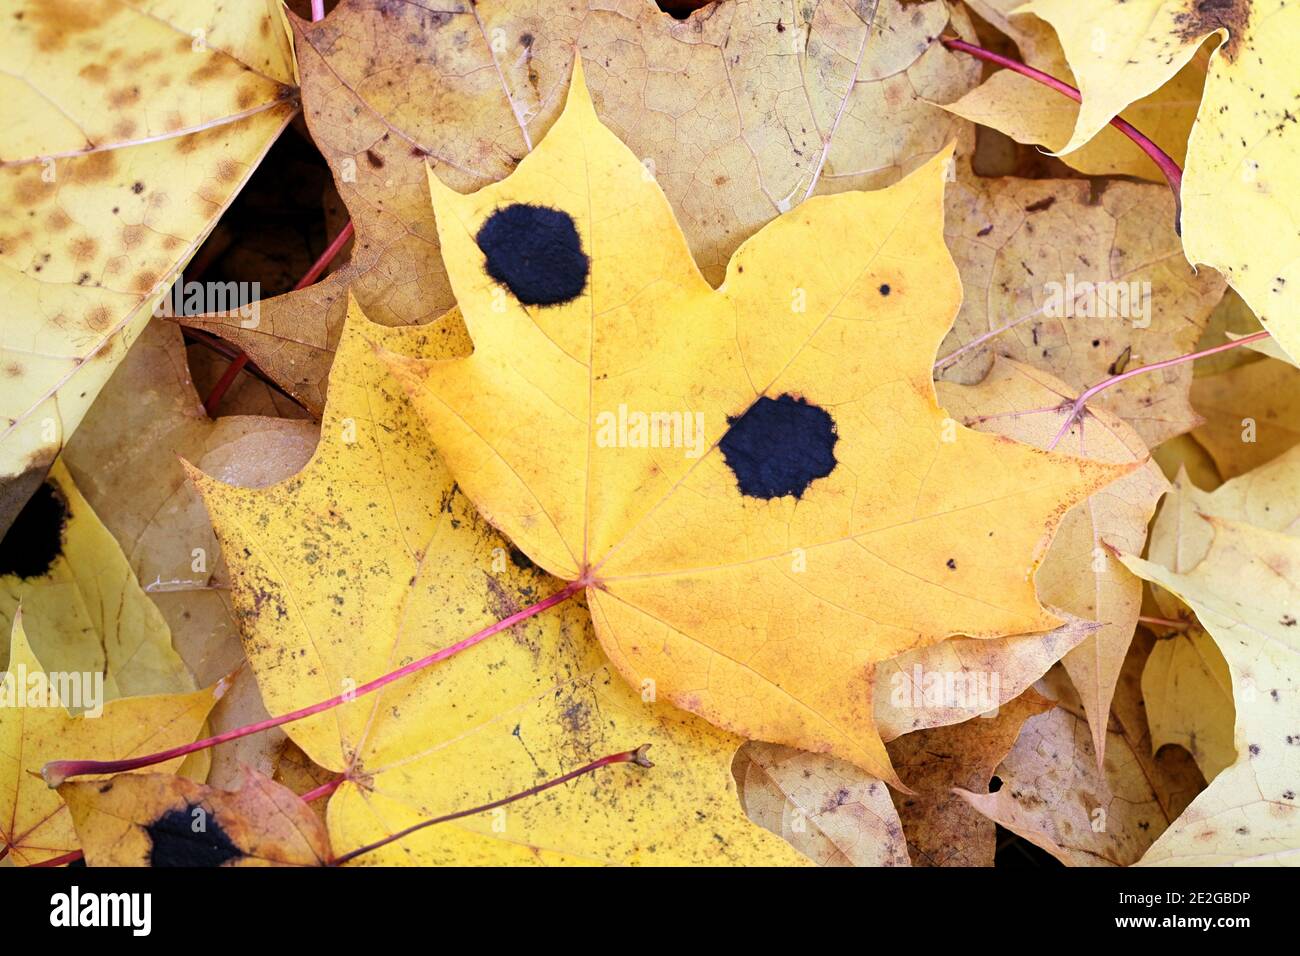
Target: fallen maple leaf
1245 593
370 559
814 520
134 125
153 819
34 823
1240 204
83 610
740 113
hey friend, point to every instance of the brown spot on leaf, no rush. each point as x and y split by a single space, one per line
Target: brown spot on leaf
99 318
1203 17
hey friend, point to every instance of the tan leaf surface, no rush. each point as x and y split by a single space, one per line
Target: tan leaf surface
1017 242
739 112
829 810
1053 794
1252 414
1078 575
942 829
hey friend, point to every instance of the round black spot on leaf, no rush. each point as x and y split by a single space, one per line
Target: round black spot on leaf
535 251
35 539
884 289
779 446
189 837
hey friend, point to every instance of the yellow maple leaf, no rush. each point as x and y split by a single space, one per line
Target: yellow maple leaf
369 559
1240 201
153 819
1245 593
753 483
1031 112
129 129
83 609
35 729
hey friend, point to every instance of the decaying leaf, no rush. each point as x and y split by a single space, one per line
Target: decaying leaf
129 128
831 811
1082 282
1245 592
815 501
155 819
1054 795
739 112
36 728
370 558
942 828
1239 196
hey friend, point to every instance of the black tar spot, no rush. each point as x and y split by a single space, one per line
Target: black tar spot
536 252
779 446
175 842
35 539
884 289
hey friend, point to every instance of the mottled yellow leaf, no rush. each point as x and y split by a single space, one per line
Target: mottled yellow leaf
134 125
370 558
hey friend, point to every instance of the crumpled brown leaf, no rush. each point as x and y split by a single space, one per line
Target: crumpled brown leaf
942 829
1053 795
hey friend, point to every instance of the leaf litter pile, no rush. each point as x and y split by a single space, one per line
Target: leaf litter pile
753 433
